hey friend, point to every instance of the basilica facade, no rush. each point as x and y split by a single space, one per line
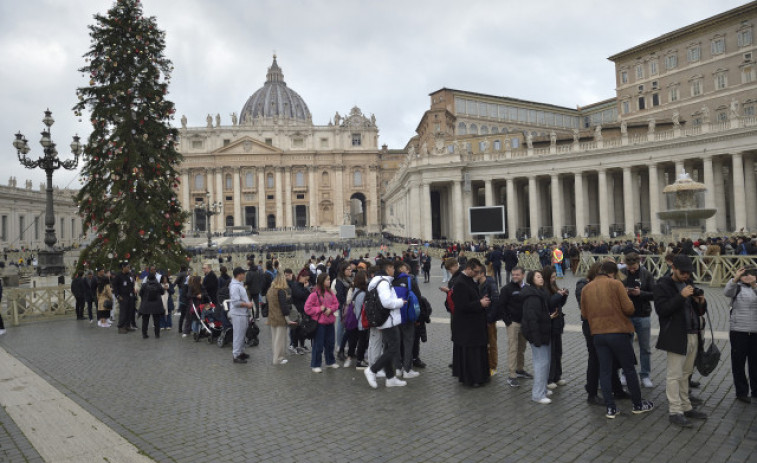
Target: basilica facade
684 102
273 168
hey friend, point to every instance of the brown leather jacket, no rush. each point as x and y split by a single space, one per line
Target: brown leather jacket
605 303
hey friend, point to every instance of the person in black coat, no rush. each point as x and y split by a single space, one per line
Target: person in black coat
123 288
79 290
536 327
470 362
679 310
210 283
300 293
152 304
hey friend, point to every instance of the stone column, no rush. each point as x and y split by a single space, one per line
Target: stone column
457 211
533 207
557 208
288 213
374 199
711 224
187 204
719 193
578 191
628 201
279 199
680 166
512 213
236 181
604 209
750 190
739 205
415 208
262 218
654 199
220 219
339 196
488 201
313 196
426 210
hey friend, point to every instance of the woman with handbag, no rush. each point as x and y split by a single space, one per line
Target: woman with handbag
104 302
321 305
300 293
742 290
279 298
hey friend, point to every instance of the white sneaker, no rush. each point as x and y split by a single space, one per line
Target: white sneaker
371 377
184 335
333 365
292 349
552 386
549 393
347 362
646 382
562 382
398 373
381 374
410 374
622 379
543 400
2 331
283 362
317 370
395 382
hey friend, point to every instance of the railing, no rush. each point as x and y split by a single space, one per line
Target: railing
24 304
711 270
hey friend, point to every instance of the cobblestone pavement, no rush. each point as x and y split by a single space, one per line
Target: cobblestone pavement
182 401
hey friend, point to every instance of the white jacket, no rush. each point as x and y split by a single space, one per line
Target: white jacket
389 300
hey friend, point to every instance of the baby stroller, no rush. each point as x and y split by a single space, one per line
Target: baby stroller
210 326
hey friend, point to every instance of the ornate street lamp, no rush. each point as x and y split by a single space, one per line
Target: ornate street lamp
51 258
209 209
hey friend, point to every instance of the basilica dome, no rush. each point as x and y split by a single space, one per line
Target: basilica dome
275 99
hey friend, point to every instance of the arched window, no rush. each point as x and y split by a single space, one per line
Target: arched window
484 130
462 129
495 130
325 178
228 182
269 181
473 129
249 180
199 182
358 178
299 179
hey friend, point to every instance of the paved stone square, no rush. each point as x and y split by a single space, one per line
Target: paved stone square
178 400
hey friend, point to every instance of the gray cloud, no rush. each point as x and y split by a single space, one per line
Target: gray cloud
385 57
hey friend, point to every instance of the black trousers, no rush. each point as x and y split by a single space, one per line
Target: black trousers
555 359
125 312
79 307
362 344
592 366
744 351
155 322
390 338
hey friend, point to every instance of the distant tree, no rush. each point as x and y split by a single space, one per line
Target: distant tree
128 199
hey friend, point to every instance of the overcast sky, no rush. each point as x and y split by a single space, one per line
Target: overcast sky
383 56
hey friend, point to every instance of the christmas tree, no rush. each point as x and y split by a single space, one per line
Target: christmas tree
128 200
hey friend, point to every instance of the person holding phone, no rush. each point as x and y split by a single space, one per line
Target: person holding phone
742 290
639 283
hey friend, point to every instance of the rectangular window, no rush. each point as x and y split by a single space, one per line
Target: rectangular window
747 74
641 103
721 81
36 228
197 144
300 196
654 85
718 46
722 116
696 87
653 67
269 141
21 227
639 71
502 111
512 113
73 228
625 107
655 99
623 77
745 37
4 228
226 142
459 106
748 111
693 54
674 94
481 146
497 145
492 110
269 197
671 61
451 149
356 139
298 142
62 227
324 142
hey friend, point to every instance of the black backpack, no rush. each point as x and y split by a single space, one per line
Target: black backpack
375 312
152 291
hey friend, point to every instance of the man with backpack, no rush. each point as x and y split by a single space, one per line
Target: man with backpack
254 282
381 286
406 287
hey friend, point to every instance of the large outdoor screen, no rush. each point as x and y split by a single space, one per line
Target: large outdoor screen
486 220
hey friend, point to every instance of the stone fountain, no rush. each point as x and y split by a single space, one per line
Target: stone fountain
686 209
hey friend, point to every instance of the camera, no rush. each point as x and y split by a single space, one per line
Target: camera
698 291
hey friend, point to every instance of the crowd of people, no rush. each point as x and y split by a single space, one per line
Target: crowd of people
328 308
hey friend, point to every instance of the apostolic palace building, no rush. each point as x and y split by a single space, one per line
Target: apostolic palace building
683 101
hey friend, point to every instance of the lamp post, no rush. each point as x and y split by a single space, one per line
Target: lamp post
50 259
209 209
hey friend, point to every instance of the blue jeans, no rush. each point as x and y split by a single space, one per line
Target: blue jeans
540 357
642 325
620 347
323 343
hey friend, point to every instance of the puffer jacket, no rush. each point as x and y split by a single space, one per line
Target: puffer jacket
743 306
536 325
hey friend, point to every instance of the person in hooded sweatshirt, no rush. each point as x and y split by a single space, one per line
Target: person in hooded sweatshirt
537 329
